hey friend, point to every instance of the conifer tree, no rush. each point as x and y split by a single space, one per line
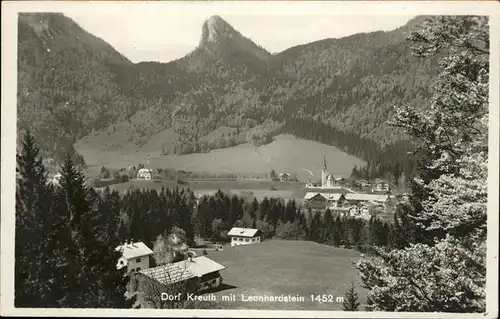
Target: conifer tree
351 302
33 209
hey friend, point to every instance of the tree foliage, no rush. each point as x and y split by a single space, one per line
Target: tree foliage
444 266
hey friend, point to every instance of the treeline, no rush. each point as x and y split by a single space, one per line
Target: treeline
145 214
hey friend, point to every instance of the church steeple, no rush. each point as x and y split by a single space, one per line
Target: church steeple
324 162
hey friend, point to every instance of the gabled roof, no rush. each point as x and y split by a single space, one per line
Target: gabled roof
331 196
327 196
329 190
310 195
134 250
367 197
242 232
182 270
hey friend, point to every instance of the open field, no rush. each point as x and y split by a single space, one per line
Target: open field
278 267
259 189
285 154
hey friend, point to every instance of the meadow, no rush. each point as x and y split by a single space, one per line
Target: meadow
285 154
276 267
259 189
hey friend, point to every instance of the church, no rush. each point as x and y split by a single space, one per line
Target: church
327 179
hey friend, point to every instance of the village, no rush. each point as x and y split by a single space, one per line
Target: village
191 268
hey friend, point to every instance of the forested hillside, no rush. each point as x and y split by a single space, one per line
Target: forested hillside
66 87
73 84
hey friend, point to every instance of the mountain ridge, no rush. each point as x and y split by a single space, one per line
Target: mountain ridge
227 81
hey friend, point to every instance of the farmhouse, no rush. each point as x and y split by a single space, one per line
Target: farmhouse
135 256
199 273
323 200
356 199
244 236
145 173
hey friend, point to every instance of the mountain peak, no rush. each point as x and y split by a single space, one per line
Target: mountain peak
215 28
219 39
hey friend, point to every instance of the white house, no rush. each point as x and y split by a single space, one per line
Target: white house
135 256
244 236
145 173
201 270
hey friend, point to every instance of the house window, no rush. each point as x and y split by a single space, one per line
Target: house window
138 260
247 240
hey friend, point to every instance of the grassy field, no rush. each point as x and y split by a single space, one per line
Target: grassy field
285 154
278 267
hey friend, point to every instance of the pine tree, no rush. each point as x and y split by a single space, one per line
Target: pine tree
33 209
445 269
351 302
77 235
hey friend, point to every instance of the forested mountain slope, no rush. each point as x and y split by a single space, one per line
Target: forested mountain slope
66 87
339 91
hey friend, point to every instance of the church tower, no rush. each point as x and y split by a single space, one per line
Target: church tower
324 172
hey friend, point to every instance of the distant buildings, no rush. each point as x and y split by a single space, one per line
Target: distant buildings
380 186
244 236
135 256
356 198
328 181
323 200
362 183
284 177
333 196
145 173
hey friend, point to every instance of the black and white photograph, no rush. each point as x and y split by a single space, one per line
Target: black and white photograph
220 158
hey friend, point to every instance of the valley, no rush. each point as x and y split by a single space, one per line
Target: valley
220 107
285 154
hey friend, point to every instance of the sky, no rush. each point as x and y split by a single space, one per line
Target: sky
152 33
